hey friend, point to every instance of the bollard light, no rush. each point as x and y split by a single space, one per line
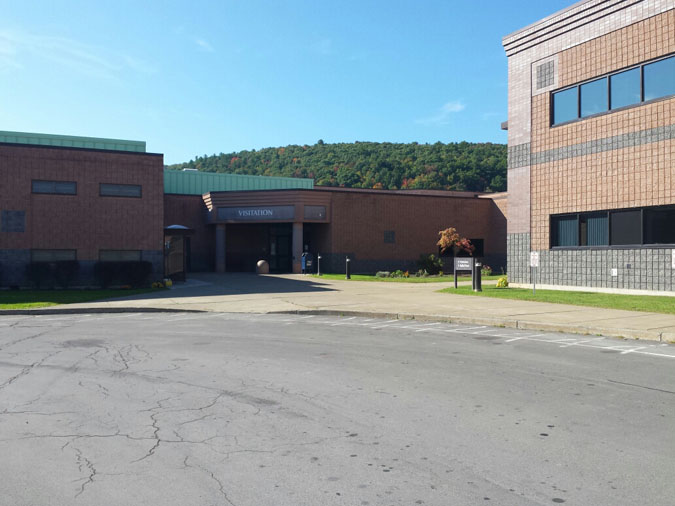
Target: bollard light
348 273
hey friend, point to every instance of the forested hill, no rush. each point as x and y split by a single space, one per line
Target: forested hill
453 166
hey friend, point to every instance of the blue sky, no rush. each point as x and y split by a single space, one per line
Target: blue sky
204 77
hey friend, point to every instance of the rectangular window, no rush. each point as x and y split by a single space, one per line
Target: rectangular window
626 227
648 81
120 190
565 105
660 225
593 230
119 255
54 187
659 79
625 88
565 231
52 255
593 97
389 236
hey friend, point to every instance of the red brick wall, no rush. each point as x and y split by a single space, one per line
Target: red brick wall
359 221
86 221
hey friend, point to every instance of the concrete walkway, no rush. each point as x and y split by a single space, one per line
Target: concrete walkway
299 294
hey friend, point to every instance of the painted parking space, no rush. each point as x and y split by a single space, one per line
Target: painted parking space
416 328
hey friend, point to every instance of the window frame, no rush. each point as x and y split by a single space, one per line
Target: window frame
103 251
139 196
644 211
53 181
608 76
33 250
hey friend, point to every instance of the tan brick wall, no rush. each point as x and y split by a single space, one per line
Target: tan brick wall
628 46
86 221
630 177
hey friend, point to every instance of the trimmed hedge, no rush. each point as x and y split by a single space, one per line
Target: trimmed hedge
61 273
123 273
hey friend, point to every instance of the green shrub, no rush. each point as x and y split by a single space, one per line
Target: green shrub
422 273
502 282
382 274
397 274
430 263
486 270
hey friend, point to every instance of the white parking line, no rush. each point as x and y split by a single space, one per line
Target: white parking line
427 327
343 322
462 329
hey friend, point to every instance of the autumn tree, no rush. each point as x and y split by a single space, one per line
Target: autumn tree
450 240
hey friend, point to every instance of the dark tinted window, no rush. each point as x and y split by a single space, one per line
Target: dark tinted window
565 231
52 255
593 97
389 236
593 229
660 226
626 227
116 255
120 190
479 245
625 88
57 187
659 78
565 106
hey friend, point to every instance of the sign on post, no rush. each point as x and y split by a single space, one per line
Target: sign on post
463 264
534 263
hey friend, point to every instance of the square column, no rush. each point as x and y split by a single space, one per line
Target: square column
297 248
220 247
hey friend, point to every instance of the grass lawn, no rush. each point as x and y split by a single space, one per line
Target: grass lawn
411 279
650 303
27 299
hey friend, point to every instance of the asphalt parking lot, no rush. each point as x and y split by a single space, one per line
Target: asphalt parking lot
241 409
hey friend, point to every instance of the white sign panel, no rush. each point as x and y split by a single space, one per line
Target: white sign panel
534 259
674 259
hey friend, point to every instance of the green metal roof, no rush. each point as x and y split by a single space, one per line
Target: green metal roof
192 182
69 141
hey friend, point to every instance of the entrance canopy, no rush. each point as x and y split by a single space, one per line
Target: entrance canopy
294 208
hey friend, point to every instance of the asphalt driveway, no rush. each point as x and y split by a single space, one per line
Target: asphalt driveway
251 410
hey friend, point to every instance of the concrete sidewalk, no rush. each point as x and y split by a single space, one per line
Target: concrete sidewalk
302 294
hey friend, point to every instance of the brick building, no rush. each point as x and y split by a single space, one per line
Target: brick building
591 129
78 198
86 199
377 229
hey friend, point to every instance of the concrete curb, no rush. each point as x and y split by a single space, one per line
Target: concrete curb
647 335
94 310
498 322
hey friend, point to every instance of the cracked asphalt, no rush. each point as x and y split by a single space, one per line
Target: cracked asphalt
236 409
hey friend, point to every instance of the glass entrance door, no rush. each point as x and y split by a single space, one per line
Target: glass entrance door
281 256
